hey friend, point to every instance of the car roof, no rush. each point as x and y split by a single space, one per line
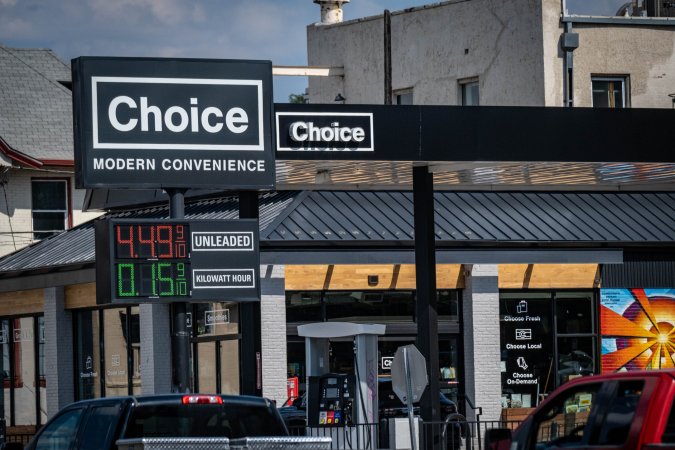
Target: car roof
242 400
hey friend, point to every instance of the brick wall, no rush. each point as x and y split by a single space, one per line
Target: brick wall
273 333
481 339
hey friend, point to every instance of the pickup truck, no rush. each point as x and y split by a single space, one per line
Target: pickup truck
103 423
626 410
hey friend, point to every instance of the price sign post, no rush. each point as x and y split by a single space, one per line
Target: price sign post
173 260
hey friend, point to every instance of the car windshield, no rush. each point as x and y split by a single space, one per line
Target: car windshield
177 420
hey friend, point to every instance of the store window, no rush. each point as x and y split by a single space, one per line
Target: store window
107 352
610 92
469 92
321 306
394 308
22 346
547 338
49 207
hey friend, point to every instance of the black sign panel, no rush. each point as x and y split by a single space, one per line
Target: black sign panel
325 131
472 133
166 123
140 261
526 348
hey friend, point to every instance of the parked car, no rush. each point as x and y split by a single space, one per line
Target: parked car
627 410
99 424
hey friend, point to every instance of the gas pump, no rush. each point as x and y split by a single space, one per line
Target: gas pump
339 399
330 400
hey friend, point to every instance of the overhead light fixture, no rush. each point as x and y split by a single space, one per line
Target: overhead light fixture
339 98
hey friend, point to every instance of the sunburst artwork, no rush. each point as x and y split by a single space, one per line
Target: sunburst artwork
638 329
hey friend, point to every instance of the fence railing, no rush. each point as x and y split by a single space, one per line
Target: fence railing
459 434
456 433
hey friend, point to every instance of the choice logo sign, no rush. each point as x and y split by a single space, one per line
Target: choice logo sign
325 131
172 123
177 113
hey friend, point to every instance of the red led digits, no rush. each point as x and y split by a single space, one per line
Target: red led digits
164 241
125 241
146 241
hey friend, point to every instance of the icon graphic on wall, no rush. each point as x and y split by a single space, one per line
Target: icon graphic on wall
522 307
521 363
115 360
523 334
88 363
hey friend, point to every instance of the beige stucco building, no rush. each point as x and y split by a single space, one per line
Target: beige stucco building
512 50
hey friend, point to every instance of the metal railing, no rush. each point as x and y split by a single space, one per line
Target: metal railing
457 433
454 433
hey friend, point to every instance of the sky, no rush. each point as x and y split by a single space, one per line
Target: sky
230 29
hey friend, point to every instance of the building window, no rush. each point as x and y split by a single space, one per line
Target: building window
106 352
49 207
610 92
469 95
547 338
404 97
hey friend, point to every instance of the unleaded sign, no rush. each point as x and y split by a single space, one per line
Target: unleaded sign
173 123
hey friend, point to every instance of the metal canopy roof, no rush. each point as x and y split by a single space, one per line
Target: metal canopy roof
383 220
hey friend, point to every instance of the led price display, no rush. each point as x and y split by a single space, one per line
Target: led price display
166 260
152 260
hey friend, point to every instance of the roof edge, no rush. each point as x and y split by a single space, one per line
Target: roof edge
18 156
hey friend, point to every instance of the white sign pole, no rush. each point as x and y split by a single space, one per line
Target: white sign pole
409 399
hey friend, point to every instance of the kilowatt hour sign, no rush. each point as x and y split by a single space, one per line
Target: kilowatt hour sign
150 261
172 123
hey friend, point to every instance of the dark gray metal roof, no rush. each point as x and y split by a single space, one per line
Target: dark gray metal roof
334 218
484 217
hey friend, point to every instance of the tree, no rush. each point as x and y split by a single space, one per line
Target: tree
297 98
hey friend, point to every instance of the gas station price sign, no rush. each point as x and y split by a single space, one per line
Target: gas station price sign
144 260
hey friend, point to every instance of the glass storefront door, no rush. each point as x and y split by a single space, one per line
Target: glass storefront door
216 348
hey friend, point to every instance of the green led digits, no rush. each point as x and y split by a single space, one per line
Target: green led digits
152 279
126 284
165 278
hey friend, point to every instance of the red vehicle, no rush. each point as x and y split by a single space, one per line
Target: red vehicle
627 410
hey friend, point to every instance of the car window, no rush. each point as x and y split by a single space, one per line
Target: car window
563 422
619 413
232 421
60 433
100 426
669 432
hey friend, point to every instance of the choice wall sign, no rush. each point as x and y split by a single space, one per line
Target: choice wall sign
179 123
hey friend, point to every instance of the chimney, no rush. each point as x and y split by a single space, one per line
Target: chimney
331 10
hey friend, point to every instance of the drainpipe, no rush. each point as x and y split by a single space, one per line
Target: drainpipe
388 91
569 42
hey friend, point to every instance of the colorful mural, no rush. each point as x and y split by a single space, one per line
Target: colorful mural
638 329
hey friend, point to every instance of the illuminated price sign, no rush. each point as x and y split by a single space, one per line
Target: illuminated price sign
176 260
